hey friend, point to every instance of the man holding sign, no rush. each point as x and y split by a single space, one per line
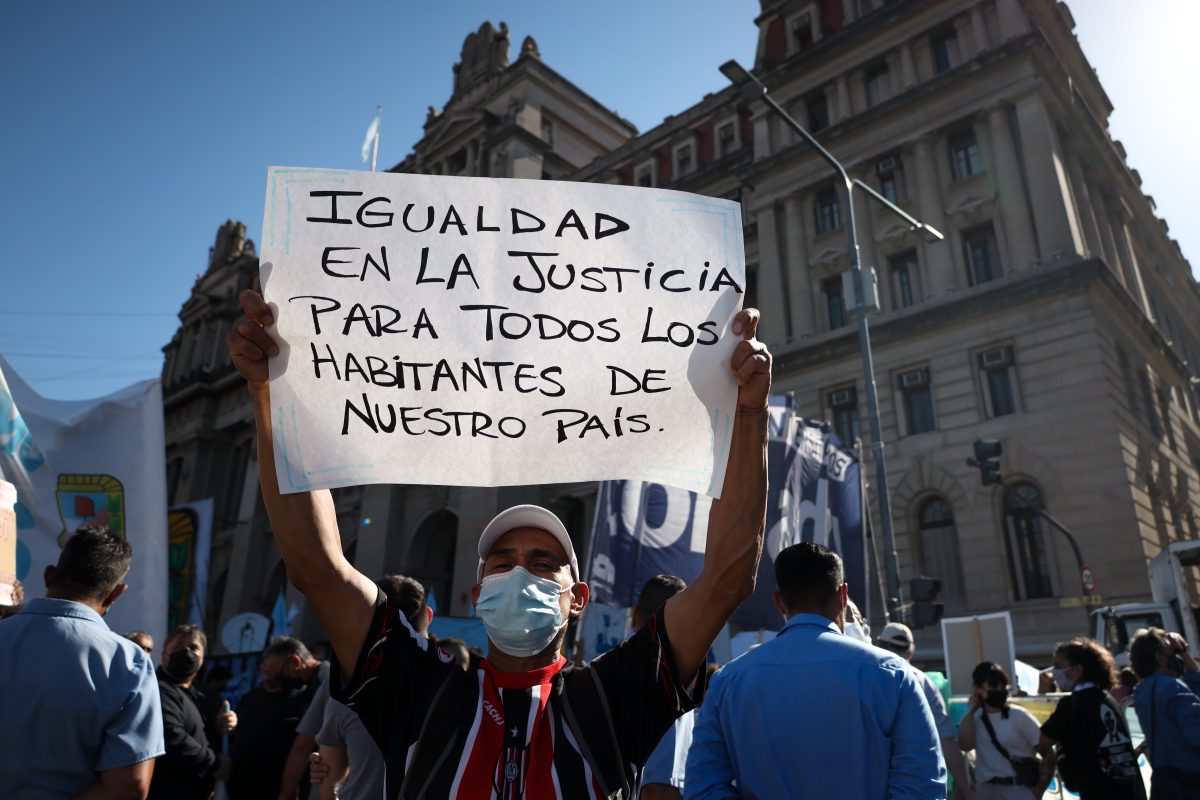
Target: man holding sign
521 722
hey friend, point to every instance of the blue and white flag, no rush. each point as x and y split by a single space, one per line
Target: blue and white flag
813 494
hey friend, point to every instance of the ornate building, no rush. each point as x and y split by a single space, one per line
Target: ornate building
1058 316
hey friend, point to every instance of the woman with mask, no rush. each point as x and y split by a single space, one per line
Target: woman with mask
1087 734
1168 707
191 765
1003 737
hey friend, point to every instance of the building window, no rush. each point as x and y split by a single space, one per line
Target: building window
1029 556
835 303
964 155
891 179
683 160
983 262
829 218
726 136
843 407
548 132
818 111
918 401
938 537
802 33
998 381
944 44
1148 403
645 175
902 270
879 83
235 483
1164 404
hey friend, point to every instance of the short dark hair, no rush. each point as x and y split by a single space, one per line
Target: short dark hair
989 672
807 575
1144 649
1097 662
1127 678
189 630
409 596
287 646
655 594
92 563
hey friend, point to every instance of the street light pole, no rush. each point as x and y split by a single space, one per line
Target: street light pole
753 89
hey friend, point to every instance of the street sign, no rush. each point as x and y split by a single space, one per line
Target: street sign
1088 578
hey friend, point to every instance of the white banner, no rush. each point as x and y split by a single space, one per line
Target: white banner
189 532
89 461
481 331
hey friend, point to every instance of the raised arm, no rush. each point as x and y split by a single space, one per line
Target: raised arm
304 524
737 521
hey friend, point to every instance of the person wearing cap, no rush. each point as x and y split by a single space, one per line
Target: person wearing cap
522 722
897 638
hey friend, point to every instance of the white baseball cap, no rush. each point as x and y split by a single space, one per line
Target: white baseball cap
525 516
897 633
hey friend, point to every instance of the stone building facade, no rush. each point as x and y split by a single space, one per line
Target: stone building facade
1058 315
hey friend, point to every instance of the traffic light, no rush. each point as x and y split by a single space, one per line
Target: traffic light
987 459
925 608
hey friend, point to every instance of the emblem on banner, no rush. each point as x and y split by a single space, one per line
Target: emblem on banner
90 500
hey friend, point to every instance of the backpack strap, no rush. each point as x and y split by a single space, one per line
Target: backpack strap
589 702
987 723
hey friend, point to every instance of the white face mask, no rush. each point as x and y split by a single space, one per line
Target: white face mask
1062 681
520 611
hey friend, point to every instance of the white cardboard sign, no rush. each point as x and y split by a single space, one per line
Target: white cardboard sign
487 332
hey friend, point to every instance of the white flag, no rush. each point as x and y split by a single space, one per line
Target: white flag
372 135
90 461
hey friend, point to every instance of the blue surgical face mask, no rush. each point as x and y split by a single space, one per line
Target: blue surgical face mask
520 611
1060 678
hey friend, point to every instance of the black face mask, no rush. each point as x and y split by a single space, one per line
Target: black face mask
996 698
182 664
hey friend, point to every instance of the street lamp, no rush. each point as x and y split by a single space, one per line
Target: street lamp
753 89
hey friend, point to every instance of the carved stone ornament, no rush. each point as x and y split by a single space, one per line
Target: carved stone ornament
231 244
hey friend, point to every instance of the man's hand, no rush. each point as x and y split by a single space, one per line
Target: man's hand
248 342
318 770
751 362
227 721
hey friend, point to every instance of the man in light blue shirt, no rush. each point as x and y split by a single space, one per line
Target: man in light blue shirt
79 707
814 713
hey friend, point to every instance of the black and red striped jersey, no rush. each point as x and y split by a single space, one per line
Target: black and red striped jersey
556 732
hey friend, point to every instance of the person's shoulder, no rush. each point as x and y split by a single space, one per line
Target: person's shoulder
1023 713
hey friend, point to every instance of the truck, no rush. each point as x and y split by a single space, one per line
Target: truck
1172 608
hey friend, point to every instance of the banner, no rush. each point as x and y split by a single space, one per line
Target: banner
487 332
189 542
76 462
813 494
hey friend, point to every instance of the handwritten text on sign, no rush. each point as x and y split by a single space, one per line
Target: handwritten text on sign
485 332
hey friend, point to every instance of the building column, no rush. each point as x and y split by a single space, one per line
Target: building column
979 35
908 69
1014 211
868 251
1083 202
799 276
1013 21
762 132
939 260
1129 262
1054 213
774 328
1110 255
843 98
370 554
849 11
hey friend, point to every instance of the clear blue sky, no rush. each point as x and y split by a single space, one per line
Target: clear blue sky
131 130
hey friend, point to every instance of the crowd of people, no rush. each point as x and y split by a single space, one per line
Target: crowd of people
822 710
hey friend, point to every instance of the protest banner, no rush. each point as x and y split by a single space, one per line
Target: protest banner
485 332
78 462
189 541
968 641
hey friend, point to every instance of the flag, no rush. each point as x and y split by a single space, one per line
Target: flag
281 623
813 494
77 462
189 540
372 138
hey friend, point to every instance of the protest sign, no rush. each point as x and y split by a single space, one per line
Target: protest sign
8 542
967 641
485 332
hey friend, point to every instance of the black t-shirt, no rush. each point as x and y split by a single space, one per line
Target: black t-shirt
482 733
1094 749
263 738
